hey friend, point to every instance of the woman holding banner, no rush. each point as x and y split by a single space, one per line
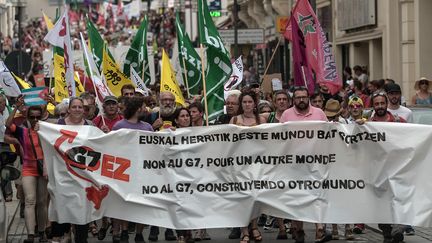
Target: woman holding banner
75 118
34 174
248 116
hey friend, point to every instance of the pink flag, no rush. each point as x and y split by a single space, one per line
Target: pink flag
302 70
318 51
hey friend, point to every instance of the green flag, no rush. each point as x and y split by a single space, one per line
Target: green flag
190 61
218 69
137 55
96 44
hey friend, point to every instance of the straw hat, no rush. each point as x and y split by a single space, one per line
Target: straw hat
332 108
417 83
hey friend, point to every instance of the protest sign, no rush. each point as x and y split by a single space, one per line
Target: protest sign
222 176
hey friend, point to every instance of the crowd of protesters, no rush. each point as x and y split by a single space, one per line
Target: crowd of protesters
158 111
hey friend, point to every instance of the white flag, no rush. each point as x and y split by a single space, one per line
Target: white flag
7 82
60 36
236 76
138 81
94 74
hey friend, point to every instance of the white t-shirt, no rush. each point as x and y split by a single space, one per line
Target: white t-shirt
403 112
3 118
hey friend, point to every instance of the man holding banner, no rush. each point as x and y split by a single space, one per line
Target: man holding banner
391 233
303 111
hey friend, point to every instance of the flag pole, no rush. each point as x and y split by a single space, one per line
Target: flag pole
143 72
271 59
185 75
51 75
91 76
304 77
204 85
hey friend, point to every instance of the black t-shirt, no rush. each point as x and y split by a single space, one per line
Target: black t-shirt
223 119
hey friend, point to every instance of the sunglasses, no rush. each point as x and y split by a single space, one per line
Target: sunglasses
35 117
86 108
379 94
62 114
356 106
424 82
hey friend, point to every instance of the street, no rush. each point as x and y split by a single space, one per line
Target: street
17 234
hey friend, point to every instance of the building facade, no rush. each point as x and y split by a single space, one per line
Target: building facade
390 38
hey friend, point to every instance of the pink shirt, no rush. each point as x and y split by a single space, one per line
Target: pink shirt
292 114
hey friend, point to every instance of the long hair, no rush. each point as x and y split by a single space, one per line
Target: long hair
255 99
177 114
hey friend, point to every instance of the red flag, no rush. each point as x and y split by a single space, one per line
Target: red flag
302 70
318 51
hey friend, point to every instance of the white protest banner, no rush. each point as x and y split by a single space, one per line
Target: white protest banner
222 176
236 76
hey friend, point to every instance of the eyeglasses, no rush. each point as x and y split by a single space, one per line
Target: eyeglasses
424 82
86 108
34 117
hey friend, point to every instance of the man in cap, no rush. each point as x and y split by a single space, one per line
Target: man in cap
110 114
255 87
394 94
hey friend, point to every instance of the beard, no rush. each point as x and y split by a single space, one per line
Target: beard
381 112
301 106
167 111
395 101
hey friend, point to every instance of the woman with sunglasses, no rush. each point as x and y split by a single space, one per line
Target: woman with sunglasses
422 96
34 174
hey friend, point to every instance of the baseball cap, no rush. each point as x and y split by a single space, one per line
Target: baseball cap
110 98
254 84
390 87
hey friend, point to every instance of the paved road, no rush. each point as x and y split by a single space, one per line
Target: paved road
17 234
